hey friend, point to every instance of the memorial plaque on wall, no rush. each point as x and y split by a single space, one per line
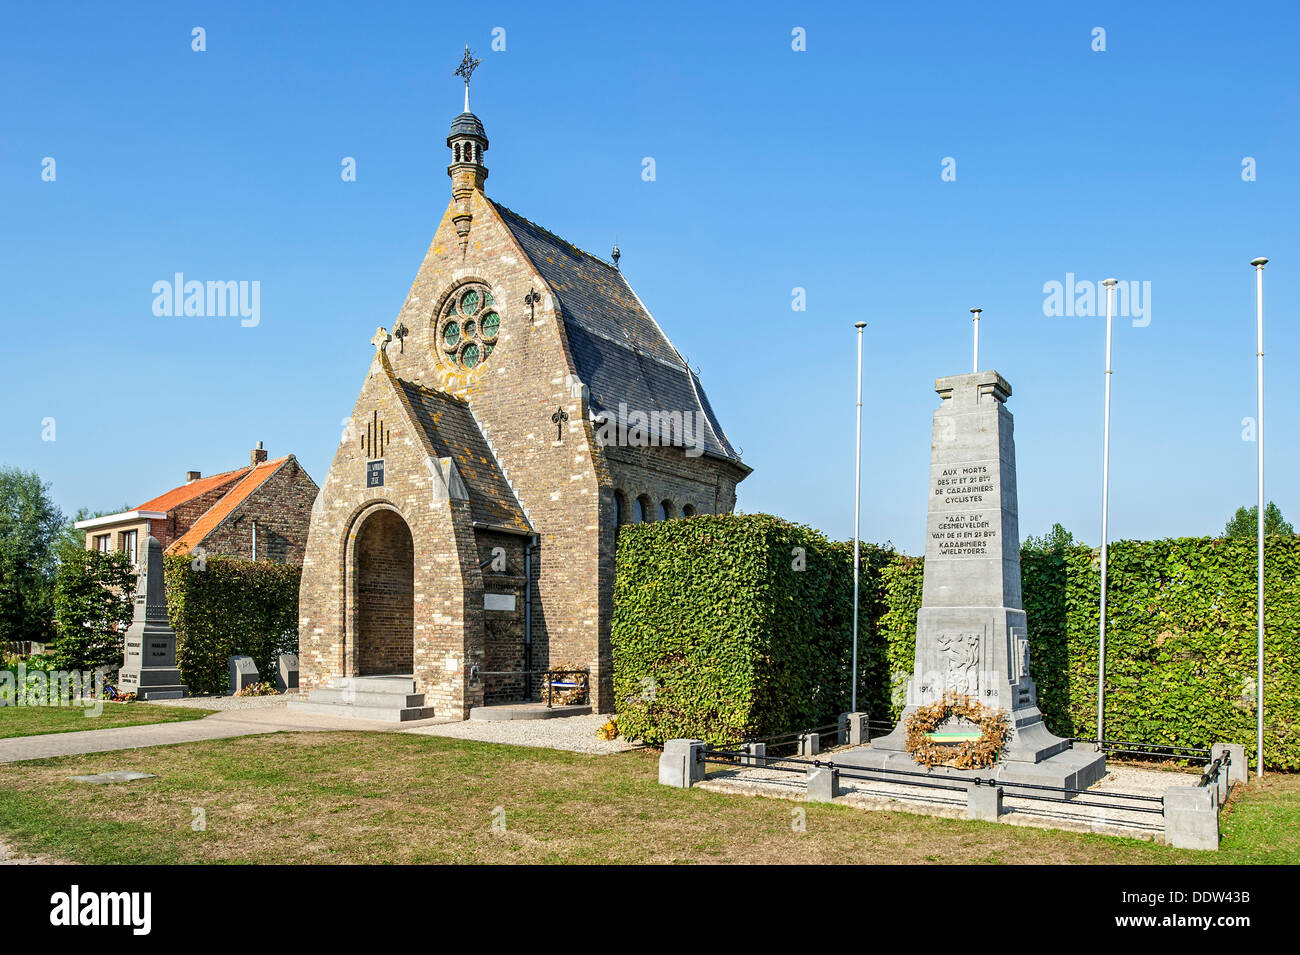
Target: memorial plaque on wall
374 473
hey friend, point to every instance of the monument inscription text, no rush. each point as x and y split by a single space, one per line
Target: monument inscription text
971 528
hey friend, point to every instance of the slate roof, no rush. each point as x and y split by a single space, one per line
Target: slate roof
467 124
453 432
213 516
621 353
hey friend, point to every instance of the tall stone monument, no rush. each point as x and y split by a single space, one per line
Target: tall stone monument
971 637
149 668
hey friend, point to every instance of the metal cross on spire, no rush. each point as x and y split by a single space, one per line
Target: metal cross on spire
466 69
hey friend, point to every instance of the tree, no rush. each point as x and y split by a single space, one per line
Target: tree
1244 523
93 594
30 526
1058 538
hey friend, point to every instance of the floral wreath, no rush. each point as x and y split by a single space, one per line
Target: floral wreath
971 754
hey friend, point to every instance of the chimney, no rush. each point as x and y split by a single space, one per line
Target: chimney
257 456
192 476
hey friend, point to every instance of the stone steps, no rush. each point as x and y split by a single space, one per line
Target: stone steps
333 694
391 699
387 714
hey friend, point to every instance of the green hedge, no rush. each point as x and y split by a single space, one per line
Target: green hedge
707 606
93 605
230 607
723 631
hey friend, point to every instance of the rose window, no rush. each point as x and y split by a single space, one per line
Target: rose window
467 330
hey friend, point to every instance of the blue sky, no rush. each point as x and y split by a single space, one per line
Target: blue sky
775 169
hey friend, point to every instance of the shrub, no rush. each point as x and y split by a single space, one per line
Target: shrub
231 607
732 626
93 591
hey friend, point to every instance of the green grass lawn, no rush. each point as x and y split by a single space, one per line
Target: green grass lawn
391 797
37 720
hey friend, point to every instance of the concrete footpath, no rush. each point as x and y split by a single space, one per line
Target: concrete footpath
223 725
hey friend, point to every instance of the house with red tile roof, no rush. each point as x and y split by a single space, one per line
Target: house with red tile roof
258 512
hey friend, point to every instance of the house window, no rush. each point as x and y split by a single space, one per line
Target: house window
665 510
638 511
128 544
103 542
688 510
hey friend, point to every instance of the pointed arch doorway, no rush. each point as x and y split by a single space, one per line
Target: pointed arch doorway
383 596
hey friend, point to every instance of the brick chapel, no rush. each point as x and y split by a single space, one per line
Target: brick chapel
523 405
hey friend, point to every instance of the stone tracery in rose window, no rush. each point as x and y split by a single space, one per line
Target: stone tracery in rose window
468 326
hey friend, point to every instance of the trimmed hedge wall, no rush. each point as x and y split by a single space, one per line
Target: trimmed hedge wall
694 609
230 607
729 627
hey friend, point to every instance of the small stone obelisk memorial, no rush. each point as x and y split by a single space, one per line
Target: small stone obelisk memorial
971 637
149 667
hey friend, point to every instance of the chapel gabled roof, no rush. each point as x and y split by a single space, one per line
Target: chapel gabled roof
620 352
451 430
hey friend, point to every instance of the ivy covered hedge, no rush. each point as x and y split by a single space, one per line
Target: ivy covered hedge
728 626
223 606
738 645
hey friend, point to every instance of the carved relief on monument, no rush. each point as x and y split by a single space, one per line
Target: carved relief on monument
961 652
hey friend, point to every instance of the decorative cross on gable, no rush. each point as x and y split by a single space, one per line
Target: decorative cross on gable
558 419
466 69
381 338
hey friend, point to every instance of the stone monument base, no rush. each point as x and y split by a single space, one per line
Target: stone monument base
1072 769
1035 757
152 683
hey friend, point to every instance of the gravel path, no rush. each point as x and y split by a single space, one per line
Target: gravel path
245 721
224 703
574 733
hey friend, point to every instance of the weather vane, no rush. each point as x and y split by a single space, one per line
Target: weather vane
466 69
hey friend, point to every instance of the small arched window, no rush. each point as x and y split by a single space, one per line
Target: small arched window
456 152
665 510
639 509
620 509
688 510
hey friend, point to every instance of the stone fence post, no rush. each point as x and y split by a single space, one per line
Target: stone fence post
1192 817
859 730
680 765
810 744
823 784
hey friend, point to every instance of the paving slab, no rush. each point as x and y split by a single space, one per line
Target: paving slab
225 725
